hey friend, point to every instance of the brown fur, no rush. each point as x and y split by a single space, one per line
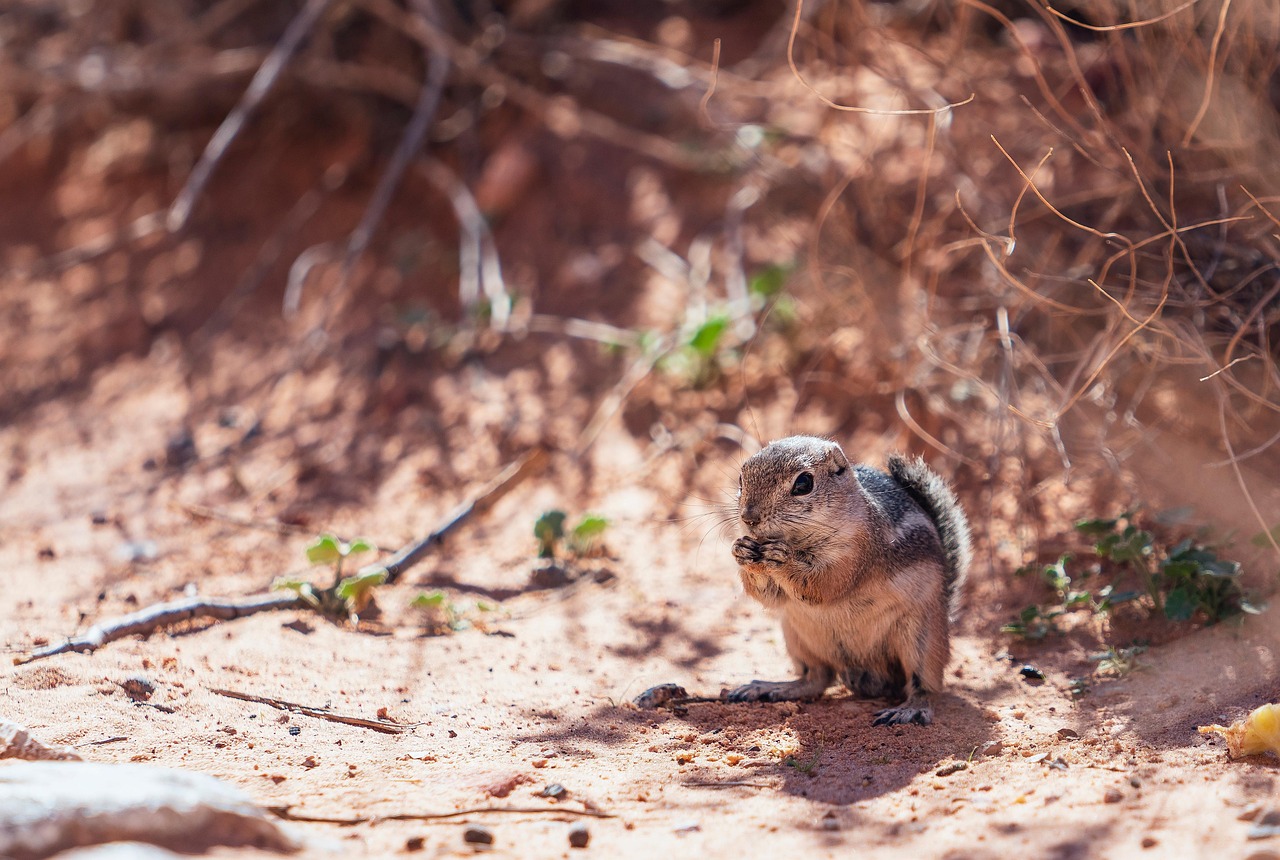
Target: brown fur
862 569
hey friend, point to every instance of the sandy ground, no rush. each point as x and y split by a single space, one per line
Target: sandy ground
535 692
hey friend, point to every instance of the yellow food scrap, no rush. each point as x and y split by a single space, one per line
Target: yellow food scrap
1257 733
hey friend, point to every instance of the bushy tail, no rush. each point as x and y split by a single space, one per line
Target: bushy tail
932 493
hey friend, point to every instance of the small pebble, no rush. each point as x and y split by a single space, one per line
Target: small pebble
579 836
1149 842
414 843
1112 796
477 836
555 791
1068 734
954 767
295 730
137 688
1031 673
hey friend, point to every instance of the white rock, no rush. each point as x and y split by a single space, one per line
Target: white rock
16 742
47 807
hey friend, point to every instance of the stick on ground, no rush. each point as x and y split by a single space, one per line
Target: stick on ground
285 813
159 615
385 726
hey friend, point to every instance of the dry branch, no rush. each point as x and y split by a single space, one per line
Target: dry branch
320 713
262 83
285 813
160 615
408 147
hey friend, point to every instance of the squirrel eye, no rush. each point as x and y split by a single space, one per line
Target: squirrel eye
803 485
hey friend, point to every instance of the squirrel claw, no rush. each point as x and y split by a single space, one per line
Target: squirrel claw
904 714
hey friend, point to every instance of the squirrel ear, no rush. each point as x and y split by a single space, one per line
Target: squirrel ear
839 461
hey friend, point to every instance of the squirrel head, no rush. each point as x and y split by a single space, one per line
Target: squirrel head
795 485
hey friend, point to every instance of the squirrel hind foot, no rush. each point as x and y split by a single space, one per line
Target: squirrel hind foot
810 686
916 710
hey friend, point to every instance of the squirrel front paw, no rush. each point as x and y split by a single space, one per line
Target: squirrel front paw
748 550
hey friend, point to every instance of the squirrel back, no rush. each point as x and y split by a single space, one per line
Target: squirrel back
931 492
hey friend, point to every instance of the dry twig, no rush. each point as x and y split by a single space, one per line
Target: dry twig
152 618
320 713
284 813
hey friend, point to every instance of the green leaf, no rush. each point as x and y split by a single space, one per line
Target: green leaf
768 281
587 533
428 600
549 530
301 587
706 339
1096 527
1056 574
1077 598
324 550
485 606
359 545
1180 604
353 589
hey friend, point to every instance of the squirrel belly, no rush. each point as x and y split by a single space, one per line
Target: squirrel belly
864 568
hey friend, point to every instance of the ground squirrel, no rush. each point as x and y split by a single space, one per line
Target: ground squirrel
864 568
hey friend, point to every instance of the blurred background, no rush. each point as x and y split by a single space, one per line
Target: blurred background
320 248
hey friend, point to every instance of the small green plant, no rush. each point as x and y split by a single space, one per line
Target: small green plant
1197 580
548 529
808 768
348 595
583 540
1033 623
700 357
765 288
445 615
1118 662
1186 581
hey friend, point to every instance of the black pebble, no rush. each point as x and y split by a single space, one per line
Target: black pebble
477 836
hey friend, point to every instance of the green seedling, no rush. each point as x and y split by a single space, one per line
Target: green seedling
548 529
448 615
1118 661
348 596
584 539
587 536
806 767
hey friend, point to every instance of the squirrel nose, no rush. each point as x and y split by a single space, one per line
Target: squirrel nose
750 516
